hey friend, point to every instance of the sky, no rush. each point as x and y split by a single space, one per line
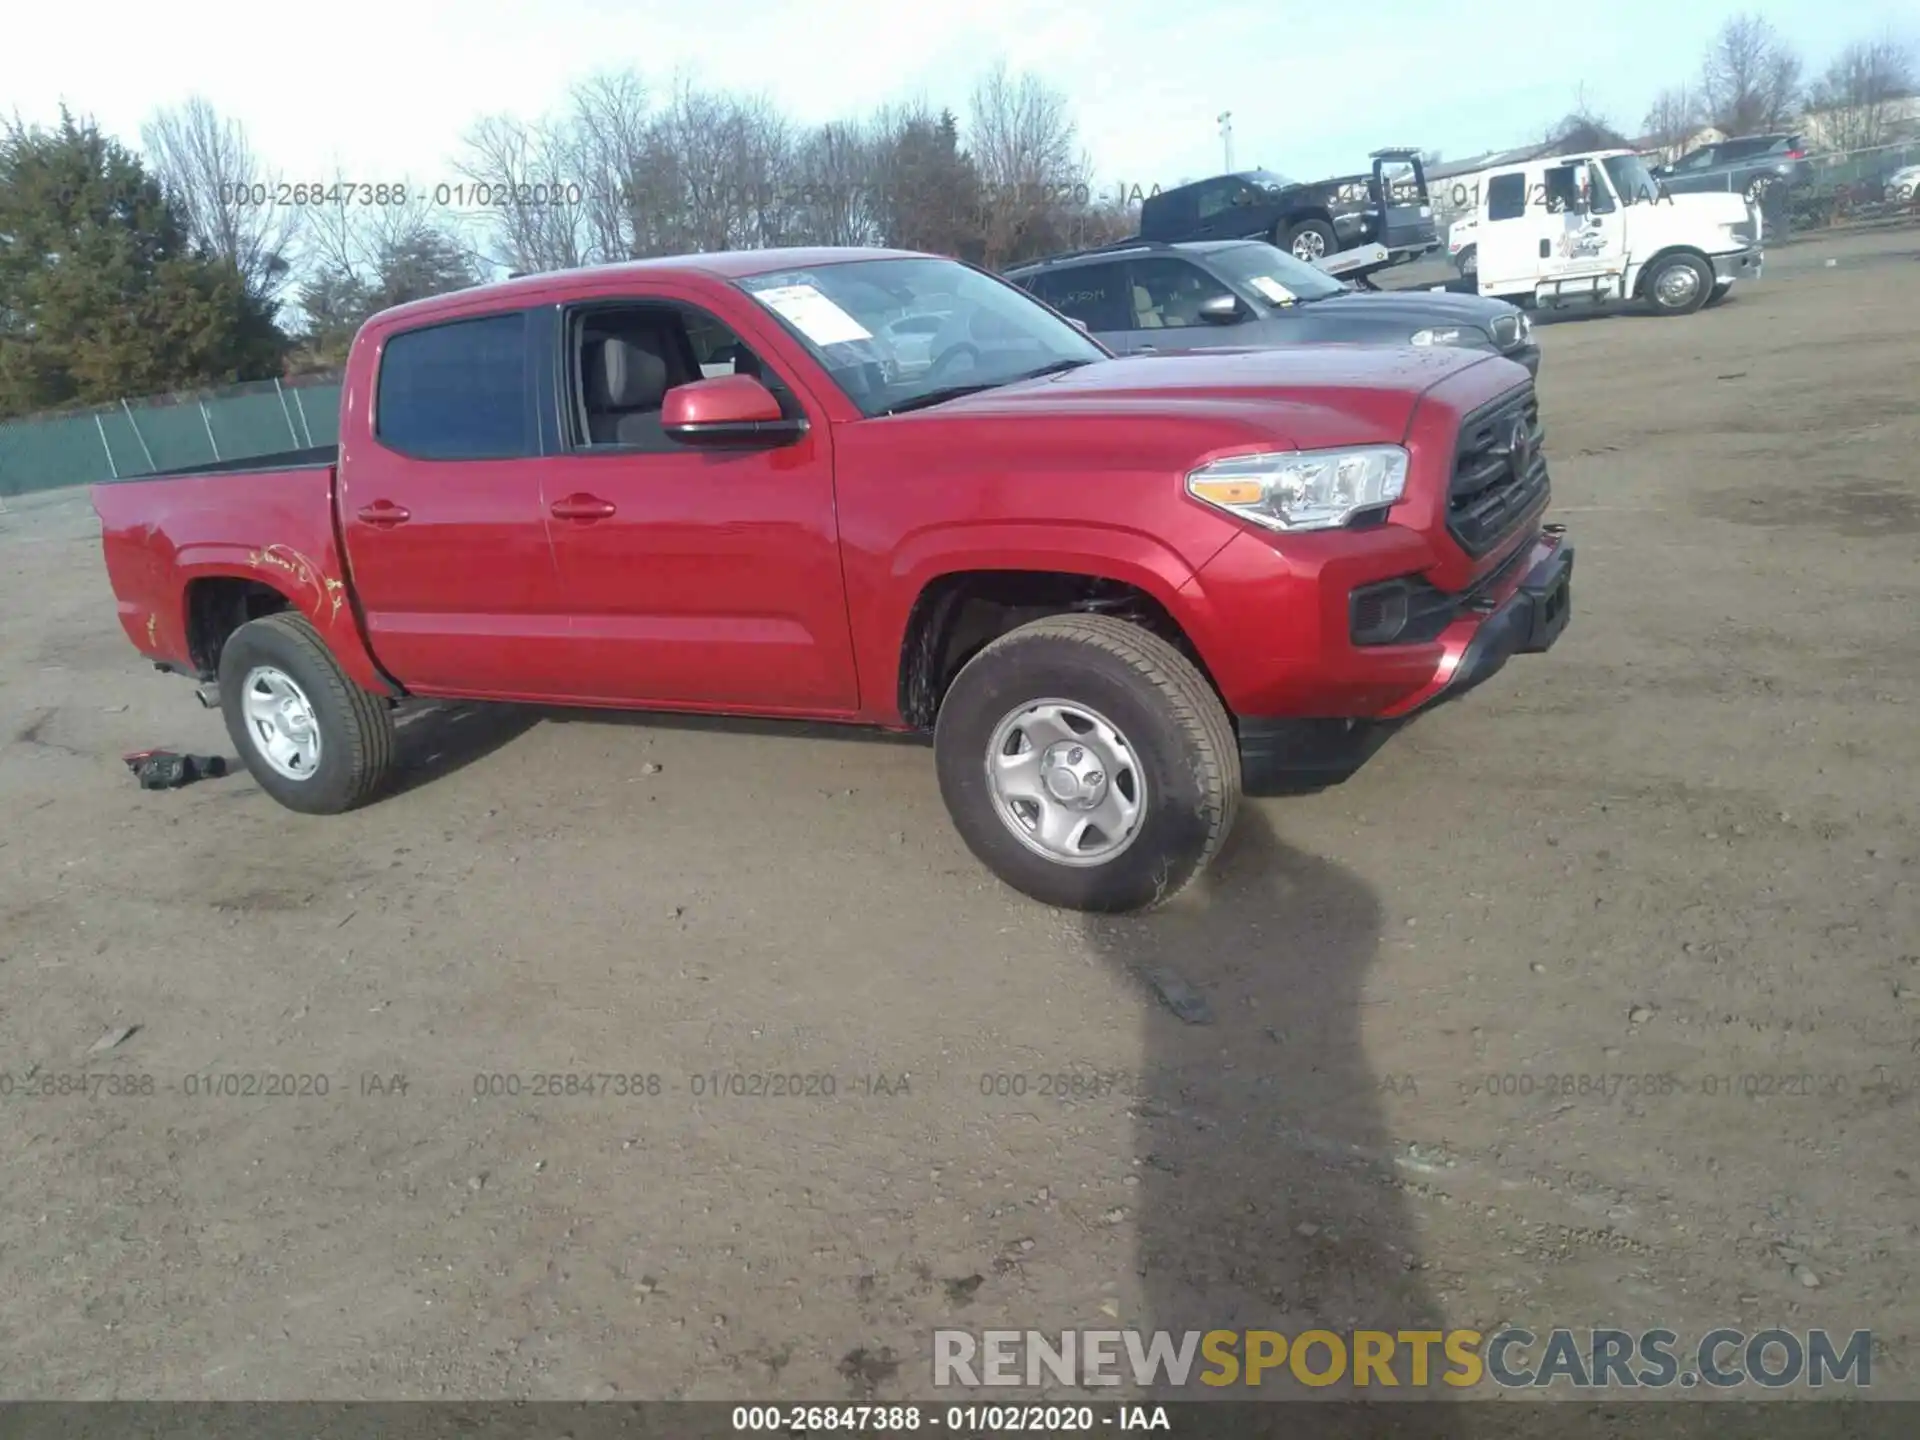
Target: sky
381 90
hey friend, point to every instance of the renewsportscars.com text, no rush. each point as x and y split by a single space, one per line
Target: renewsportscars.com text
1513 1358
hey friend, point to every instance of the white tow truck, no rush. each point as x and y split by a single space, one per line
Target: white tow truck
1598 228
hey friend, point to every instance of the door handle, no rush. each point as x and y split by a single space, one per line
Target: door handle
582 507
384 512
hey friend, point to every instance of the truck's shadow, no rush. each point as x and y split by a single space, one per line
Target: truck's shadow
438 737
1267 1196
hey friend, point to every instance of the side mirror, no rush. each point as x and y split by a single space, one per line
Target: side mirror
1221 310
728 410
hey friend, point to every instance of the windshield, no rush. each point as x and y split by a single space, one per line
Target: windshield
965 330
1272 274
1632 179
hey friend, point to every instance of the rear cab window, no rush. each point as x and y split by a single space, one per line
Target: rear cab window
459 390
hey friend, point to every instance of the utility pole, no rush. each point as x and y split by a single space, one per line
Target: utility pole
1225 119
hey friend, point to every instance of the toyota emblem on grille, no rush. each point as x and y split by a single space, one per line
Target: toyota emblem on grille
1520 447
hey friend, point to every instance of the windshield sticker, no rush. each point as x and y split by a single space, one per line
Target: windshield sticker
1273 289
813 315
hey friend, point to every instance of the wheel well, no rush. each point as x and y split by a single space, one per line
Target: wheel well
219 605
1300 217
958 615
1659 257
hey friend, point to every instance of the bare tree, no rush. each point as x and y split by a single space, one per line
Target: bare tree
1750 80
357 259
520 177
209 170
607 143
839 186
1671 120
1855 97
1023 144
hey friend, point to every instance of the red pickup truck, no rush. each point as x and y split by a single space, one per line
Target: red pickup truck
874 487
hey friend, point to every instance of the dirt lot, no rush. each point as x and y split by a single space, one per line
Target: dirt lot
1680 847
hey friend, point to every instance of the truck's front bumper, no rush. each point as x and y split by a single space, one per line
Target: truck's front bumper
1524 614
1739 265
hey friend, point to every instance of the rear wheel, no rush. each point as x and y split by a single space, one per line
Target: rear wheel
1087 763
1679 285
1309 240
313 739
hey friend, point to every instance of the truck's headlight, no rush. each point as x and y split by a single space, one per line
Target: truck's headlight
1303 489
1526 327
1443 335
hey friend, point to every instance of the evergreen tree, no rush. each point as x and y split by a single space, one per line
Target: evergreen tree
102 294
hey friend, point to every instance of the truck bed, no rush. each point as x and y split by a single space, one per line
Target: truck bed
184 548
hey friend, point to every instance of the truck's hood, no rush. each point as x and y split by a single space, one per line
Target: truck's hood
1412 309
1313 396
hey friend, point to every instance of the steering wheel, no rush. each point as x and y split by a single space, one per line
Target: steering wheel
946 358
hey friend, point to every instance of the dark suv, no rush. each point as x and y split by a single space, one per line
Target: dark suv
1752 165
1138 297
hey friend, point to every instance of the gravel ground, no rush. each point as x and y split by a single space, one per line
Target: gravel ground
1680 849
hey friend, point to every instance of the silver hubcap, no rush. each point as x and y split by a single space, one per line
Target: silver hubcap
1677 285
281 722
1309 245
1065 782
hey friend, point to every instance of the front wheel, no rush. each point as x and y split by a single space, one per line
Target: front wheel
314 740
1088 763
1719 292
1468 261
1679 285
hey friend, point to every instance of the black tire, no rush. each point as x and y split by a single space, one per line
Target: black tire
1702 287
1468 260
355 728
1719 292
1292 242
1176 730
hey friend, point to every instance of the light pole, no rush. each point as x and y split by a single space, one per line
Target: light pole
1225 118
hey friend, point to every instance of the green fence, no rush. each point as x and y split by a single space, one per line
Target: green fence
138 437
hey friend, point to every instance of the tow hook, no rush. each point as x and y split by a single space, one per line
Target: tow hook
208 696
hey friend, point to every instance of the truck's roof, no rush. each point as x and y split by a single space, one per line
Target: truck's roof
721 265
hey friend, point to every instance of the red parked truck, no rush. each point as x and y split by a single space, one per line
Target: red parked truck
874 487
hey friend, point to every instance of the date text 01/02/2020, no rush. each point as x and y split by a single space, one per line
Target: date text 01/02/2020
458 195
954 1419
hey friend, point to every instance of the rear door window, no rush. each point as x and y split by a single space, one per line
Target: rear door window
1095 295
458 391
